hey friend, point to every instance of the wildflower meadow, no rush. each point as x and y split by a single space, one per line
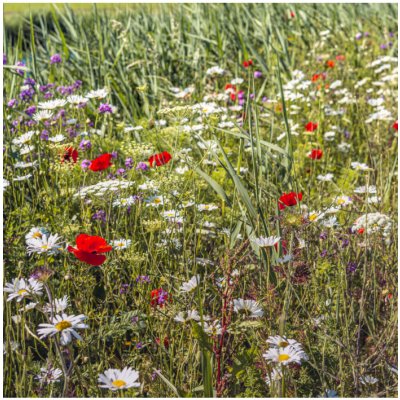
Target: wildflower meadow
200 200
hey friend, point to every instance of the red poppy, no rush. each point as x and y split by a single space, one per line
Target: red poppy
292 14
89 248
361 231
396 126
160 158
289 199
247 63
311 126
101 163
233 96
330 64
315 154
70 155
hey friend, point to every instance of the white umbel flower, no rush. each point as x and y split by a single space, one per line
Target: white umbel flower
97 94
20 288
191 285
64 325
250 307
115 379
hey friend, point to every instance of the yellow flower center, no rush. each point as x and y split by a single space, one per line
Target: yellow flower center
341 201
157 201
22 292
120 244
283 344
119 383
60 326
37 235
313 217
283 357
44 246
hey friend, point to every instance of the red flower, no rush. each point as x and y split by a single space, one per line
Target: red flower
292 14
88 248
340 57
330 64
315 77
289 199
160 158
315 154
396 126
230 88
70 154
247 63
283 246
233 96
100 163
159 297
311 126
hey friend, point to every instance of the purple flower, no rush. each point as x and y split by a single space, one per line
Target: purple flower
44 135
85 144
258 74
143 279
323 235
99 215
134 320
114 154
142 166
358 36
48 95
383 46
12 103
105 108
55 59
345 243
324 253
129 163
264 99
120 171
20 71
27 94
139 345
241 102
4 59
366 34
351 267
29 81
124 288
252 95
85 164
241 95
30 110
346 134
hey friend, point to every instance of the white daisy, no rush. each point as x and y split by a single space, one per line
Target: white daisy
58 306
97 94
207 207
325 178
278 341
191 315
115 379
365 189
36 232
56 139
20 288
360 166
65 325
191 285
266 241
368 380
45 244
286 355
154 201
121 244
343 201
250 307
213 329
76 99
23 139
52 104
22 178
42 115
49 375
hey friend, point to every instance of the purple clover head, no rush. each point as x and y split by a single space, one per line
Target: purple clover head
12 103
30 110
120 171
85 144
129 163
55 59
44 135
105 108
258 74
114 154
142 166
358 36
85 164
